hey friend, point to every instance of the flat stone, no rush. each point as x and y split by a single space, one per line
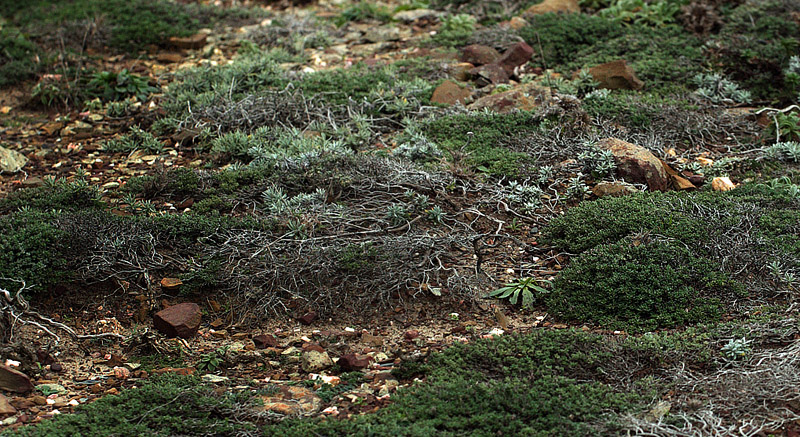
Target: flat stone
416 15
722 184
171 283
308 318
180 320
460 71
195 41
14 380
613 189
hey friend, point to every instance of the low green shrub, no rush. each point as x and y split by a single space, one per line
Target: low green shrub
640 286
31 250
452 133
162 406
135 139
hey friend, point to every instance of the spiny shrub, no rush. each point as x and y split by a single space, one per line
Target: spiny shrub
639 286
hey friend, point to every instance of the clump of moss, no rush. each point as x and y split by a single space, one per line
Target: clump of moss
639 286
479 135
31 250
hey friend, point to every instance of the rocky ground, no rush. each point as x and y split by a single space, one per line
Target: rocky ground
303 207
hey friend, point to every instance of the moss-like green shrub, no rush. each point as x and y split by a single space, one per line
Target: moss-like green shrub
31 250
482 147
755 44
639 286
562 36
163 406
59 195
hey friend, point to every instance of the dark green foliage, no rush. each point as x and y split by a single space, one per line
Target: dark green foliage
664 58
163 406
358 257
458 406
31 250
134 140
60 195
111 86
363 11
134 24
558 38
18 57
514 385
639 286
754 46
482 147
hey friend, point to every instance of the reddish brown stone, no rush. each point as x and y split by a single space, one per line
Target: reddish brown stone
308 318
517 55
14 380
5 407
411 334
636 164
171 283
351 362
450 93
180 320
490 73
616 75
477 54
264 341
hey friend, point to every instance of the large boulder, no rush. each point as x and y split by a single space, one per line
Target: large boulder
616 75
566 6
517 55
180 320
450 93
636 164
477 54
14 380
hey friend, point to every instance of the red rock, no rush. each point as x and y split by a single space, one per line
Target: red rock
55 367
697 179
450 93
616 75
351 362
517 55
264 341
184 371
195 41
14 380
636 164
313 347
308 318
477 54
490 73
180 320
412 334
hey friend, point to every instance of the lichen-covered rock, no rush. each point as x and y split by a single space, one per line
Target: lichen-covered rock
566 6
